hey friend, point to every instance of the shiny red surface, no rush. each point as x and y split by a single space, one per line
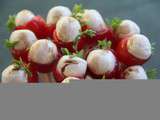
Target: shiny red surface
125 57
57 41
17 54
36 25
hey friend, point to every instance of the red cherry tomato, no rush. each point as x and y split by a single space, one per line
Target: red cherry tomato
34 77
110 75
20 54
87 43
38 26
44 68
51 30
58 77
125 57
68 45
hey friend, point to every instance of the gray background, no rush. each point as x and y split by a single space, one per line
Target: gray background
88 100
144 12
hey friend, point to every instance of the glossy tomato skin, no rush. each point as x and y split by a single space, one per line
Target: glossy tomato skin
58 77
115 41
51 30
37 25
125 57
87 43
34 77
44 68
85 27
120 68
20 27
106 34
68 45
20 54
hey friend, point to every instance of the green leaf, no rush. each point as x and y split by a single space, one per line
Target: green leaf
104 44
11 23
78 8
65 51
10 44
20 65
115 22
80 54
17 64
152 73
77 13
27 71
78 16
78 38
88 32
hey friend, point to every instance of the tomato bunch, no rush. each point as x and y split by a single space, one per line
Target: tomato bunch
74 45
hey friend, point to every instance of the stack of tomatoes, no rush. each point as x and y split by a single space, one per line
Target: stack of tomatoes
74 45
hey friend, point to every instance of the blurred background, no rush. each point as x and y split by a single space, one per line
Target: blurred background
146 13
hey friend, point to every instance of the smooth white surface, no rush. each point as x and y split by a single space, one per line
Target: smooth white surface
88 77
135 72
25 39
56 13
96 20
67 29
127 28
23 17
101 61
13 76
72 70
139 46
68 79
43 52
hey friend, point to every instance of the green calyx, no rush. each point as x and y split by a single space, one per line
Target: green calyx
11 23
78 8
88 32
114 23
65 51
104 44
19 65
79 54
10 44
77 13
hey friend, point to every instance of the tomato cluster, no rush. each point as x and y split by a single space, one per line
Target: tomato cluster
77 44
